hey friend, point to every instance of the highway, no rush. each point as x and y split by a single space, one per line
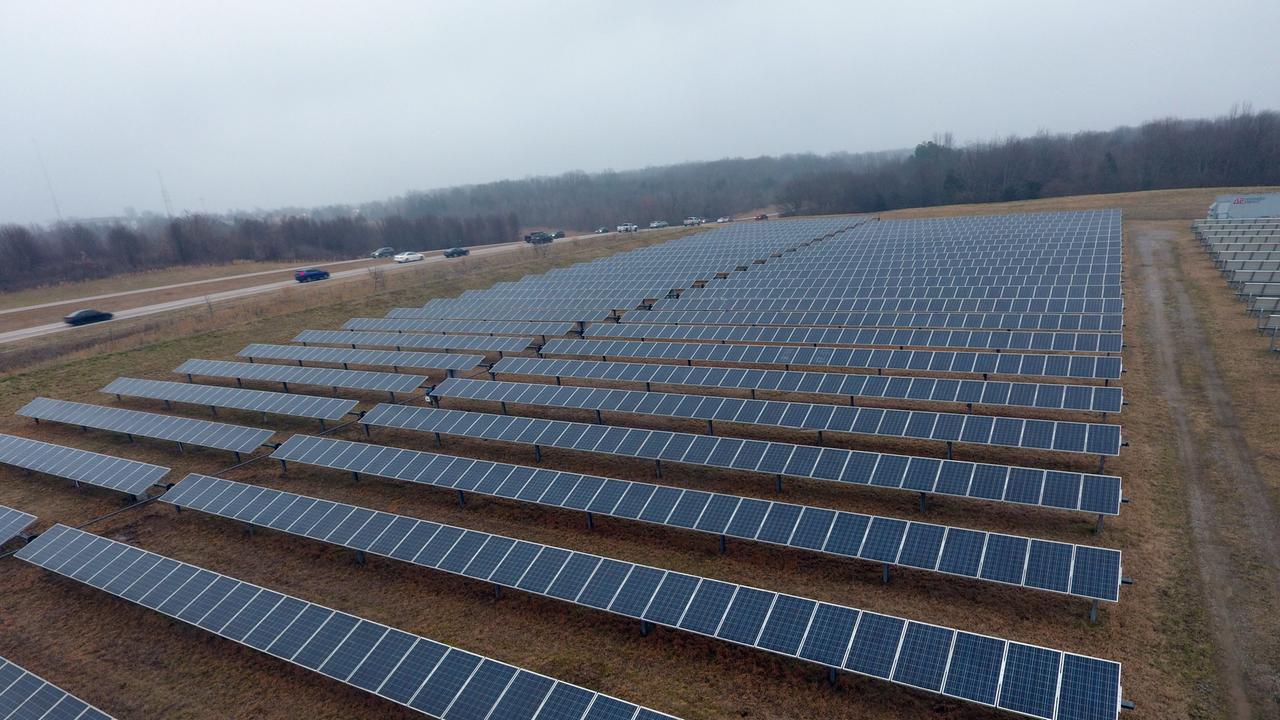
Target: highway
201 299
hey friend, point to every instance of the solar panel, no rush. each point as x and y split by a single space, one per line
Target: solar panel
26 696
461 327
12 523
919 545
429 677
81 466
307 406
320 377
919 653
347 356
1072 437
1043 396
1001 483
515 313
203 433
401 341
1067 366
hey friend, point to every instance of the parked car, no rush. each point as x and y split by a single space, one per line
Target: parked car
601 230
628 227
724 219
762 216
657 224
382 252
405 257
557 235
456 252
86 316
309 274
537 238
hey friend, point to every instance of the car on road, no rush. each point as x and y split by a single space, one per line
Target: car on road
762 216
724 219
310 274
456 252
601 230
382 252
657 224
628 227
406 257
86 316
557 235
537 238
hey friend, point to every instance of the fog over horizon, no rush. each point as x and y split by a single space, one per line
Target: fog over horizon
245 105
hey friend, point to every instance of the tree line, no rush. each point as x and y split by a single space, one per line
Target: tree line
32 256
1239 149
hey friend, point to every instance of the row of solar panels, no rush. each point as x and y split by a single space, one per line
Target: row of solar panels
915 654
12 524
429 677
1046 488
1036 564
1044 396
1061 436
1031 365
1090 342
27 696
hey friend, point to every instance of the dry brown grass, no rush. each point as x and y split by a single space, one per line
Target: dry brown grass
103 648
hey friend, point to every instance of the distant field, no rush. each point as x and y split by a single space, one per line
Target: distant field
1195 632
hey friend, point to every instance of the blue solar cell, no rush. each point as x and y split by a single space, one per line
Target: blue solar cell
523 697
922 545
672 597
829 635
847 533
962 552
1030 680
708 607
634 595
875 645
1005 559
604 584
1049 565
746 521
1096 572
1024 486
780 523
974 672
746 615
884 539
922 660
1088 689
787 624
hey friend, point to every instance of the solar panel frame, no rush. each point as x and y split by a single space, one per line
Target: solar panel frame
202 433
400 341
349 356
106 471
319 377
25 695
312 643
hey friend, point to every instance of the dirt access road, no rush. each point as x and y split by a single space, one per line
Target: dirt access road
1234 521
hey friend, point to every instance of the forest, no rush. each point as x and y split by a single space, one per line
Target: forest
1239 149
31 256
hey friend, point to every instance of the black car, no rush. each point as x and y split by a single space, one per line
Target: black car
86 316
557 235
537 238
456 252
310 274
382 252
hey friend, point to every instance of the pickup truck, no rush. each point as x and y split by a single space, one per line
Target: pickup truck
537 238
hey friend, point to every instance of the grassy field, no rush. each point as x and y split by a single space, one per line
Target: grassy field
1194 534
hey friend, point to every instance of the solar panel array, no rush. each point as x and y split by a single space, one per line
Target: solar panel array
307 406
1248 254
1082 342
26 696
347 356
203 433
323 377
1094 367
82 466
1028 486
430 677
12 523
461 327
1037 564
1040 396
399 341
1073 437
915 654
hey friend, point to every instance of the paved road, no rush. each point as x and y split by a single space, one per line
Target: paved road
48 329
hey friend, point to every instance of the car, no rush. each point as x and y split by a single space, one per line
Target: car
86 316
310 274
628 227
382 252
537 238
602 230
762 216
657 224
456 252
557 235
724 219
406 257
693 220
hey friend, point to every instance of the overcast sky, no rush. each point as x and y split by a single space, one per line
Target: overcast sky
268 104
